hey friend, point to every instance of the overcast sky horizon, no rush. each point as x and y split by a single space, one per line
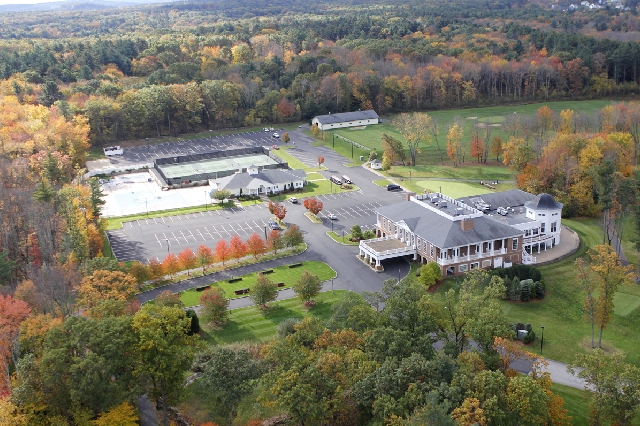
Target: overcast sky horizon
3 2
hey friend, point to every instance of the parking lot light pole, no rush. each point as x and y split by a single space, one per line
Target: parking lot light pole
265 233
147 207
206 204
167 245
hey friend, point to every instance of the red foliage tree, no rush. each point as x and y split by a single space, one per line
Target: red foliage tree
238 247
320 160
280 212
170 265
223 251
214 305
477 148
187 260
286 108
12 313
204 257
275 241
313 205
155 269
256 245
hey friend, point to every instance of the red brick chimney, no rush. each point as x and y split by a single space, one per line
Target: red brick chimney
466 224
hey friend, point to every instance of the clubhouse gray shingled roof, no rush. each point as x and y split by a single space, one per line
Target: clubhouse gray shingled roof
544 202
442 231
273 176
347 116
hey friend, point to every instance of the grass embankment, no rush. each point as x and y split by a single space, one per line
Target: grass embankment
116 222
382 182
313 218
451 188
280 274
566 330
256 325
342 239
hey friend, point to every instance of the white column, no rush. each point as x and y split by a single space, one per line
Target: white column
492 241
377 262
469 252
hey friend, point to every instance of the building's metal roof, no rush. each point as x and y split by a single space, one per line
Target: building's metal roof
544 202
343 117
269 176
512 198
445 232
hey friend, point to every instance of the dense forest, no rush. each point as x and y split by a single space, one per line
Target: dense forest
172 69
75 346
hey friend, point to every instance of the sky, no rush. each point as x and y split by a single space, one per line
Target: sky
25 1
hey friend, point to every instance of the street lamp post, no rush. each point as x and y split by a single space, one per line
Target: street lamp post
334 139
167 240
206 204
147 207
331 224
331 285
542 339
265 233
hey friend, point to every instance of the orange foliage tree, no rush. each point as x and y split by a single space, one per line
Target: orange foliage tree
12 313
170 264
214 305
313 205
223 251
204 257
187 260
238 248
275 241
256 245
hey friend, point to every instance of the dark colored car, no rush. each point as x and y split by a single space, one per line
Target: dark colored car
393 187
274 225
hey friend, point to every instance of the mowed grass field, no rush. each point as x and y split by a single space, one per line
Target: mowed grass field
454 189
431 154
567 331
280 274
256 325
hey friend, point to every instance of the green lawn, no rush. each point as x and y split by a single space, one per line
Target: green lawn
280 274
574 403
382 182
472 171
293 162
433 154
339 239
451 188
257 325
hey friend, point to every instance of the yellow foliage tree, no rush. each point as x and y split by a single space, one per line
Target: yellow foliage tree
122 415
104 285
567 121
469 413
9 415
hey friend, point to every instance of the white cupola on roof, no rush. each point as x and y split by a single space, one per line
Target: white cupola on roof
252 170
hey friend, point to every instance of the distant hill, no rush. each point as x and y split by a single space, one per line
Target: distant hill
74 5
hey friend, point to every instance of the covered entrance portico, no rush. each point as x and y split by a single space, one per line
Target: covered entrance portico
379 249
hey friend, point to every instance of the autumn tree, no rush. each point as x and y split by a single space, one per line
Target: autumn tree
279 210
320 161
12 313
165 351
170 299
155 269
204 257
477 148
256 246
275 241
286 138
223 251
215 305
414 128
602 276
612 387
517 154
104 285
313 205
264 291
122 415
170 265
454 143
496 147
237 248
307 287
187 260
293 236
392 148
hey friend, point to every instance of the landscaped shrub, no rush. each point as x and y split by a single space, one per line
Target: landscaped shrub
195 322
368 235
525 290
539 290
530 337
514 278
286 327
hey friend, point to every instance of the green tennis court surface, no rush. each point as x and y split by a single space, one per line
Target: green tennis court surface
215 165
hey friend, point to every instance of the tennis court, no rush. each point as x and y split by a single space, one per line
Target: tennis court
215 165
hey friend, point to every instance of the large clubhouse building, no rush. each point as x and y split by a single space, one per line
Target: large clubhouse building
485 231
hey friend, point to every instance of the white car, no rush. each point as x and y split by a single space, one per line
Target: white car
293 200
332 216
276 135
266 129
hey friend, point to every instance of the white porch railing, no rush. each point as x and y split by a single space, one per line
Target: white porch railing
527 258
537 239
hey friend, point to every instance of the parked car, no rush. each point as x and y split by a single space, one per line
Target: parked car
345 179
332 216
335 179
275 135
299 127
502 211
274 225
393 187
275 147
266 129
294 200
